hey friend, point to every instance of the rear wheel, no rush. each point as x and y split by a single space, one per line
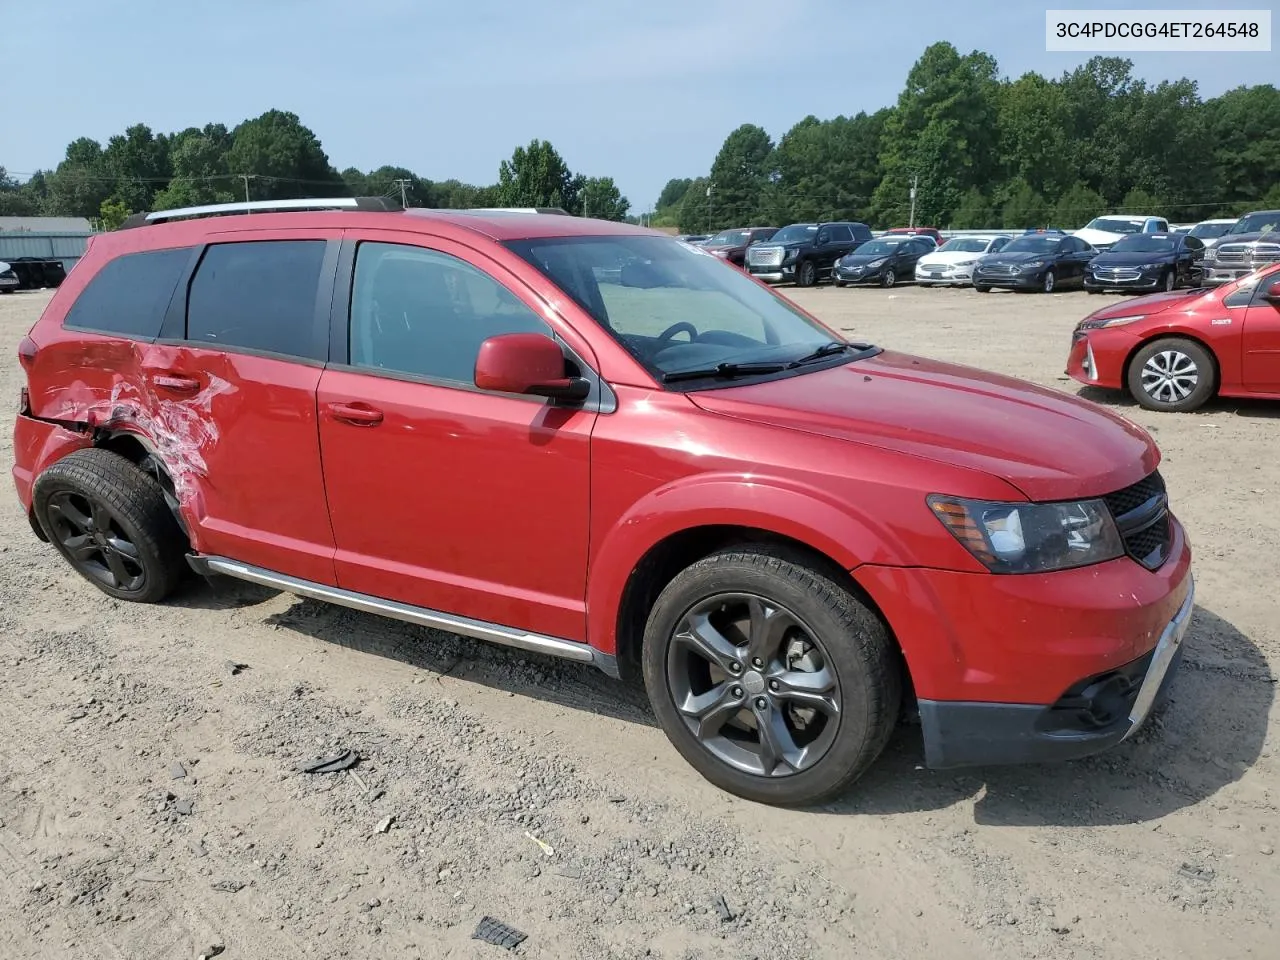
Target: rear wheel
1172 374
1169 281
111 522
770 678
806 274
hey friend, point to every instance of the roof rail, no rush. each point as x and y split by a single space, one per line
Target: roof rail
262 206
557 211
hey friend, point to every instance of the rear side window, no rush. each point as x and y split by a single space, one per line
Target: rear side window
259 295
129 295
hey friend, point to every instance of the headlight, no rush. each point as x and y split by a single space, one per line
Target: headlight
1210 254
965 263
1033 264
790 255
1153 266
1097 324
1031 537
878 263
722 254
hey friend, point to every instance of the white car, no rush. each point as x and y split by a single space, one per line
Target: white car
1102 232
1210 232
952 263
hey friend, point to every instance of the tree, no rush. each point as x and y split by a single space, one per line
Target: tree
198 158
1078 206
17 200
739 175
1243 126
537 176
693 214
113 213
80 183
139 163
1023 207
826 169
386 181
1033 118
602 199
974 212
673 192
282 157
1139 201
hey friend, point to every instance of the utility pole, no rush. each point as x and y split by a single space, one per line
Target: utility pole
914 183
245 178
404 197
709 186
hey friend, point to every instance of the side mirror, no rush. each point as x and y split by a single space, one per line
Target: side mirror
528 363
1272 293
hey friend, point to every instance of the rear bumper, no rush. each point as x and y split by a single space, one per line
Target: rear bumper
1097 713
36 444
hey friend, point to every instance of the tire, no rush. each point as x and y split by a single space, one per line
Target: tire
1169 281
1049 281
806 274
838 283
888 278
1092 290
850 648
982 288
109 520
1176 394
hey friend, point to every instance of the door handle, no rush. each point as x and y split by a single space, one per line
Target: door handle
355 414
176 383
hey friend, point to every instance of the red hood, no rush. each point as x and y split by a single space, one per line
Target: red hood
1152 303
1050 445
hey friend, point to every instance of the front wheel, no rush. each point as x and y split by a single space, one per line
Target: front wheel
806 274
1172 374
769 677
982 288
889 277
838 283
1049 281
1169 281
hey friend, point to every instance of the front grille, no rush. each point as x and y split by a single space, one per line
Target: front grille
999 269
1266 253
1141 512
1232 253
765 256
1116 273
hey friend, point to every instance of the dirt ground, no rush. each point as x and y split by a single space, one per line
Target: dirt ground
1163 847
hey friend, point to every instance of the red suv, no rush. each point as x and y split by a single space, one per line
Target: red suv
593 441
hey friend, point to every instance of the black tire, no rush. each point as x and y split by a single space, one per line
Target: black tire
1169 281
116 497
1048 282
838 283
806 274
1176 359
851 643
982 288
889 277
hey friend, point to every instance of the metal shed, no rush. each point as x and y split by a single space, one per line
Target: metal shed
60 238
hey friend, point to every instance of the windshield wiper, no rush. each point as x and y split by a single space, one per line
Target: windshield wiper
826 350
725 370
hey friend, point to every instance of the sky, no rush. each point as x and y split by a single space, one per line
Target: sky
639 90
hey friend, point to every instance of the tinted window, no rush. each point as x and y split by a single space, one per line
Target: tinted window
840 233
426 313
1192 243
998 243
796 233
259 296
128 296
861 231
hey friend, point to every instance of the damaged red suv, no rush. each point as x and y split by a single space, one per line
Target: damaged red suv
593 441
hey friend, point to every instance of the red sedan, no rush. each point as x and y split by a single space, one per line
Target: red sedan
1173 351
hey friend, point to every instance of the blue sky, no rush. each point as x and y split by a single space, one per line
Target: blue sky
640 90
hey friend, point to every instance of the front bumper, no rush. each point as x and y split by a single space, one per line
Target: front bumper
1015 281
1098 712
1142 281
858 274
1215 276
945 277
783 274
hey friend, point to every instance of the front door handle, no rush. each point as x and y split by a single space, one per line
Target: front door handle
176 383
356 414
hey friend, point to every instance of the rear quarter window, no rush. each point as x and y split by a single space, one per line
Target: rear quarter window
129 295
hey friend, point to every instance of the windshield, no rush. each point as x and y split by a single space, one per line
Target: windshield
1258 222
728 238
1114 225
882 247
1145 243
675 308
965 245
1032 245
796 233
1209 231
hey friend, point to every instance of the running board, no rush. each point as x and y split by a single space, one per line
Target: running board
422 616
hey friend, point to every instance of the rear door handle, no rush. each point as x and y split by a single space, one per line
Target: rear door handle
176 383
356 414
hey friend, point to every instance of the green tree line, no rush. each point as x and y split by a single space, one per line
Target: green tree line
993 152
271 157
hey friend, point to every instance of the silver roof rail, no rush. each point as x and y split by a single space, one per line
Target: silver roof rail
556 211
262 206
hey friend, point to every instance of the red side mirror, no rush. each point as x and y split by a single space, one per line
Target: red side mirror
1272 293
529 363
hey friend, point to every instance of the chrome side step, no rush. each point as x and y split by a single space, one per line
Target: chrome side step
422 616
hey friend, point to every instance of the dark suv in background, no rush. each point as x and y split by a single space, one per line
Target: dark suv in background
805 253
732 244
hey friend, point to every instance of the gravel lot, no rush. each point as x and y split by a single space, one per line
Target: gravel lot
1162 848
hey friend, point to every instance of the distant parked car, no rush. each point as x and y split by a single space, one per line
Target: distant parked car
694 238
9 281
952 263
1102 232
732 244
1174 351
1253 242
805 252
1210 232
37 273
1037 261
884 260
1148 261
930 232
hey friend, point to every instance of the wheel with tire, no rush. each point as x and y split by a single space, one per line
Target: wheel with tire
982 288
110 520
889 277
1172 374
1049 281
769 677
838 283
806 274
1169 281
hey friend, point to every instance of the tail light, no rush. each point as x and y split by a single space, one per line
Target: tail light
27 350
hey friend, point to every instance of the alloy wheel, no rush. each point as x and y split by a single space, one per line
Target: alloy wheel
753 684
1170 376
1169 281
95 541
1048 281
889 277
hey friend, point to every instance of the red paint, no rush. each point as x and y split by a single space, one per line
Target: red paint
506 508
1244 338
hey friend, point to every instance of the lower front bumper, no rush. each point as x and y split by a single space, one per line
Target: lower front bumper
1217 276
874 276
959 734
1102 283
1018 282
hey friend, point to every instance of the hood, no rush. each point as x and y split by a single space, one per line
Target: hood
1096 237
1017 257
1049 445
1271 236
1134 259
1152 303
946 257
855 258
